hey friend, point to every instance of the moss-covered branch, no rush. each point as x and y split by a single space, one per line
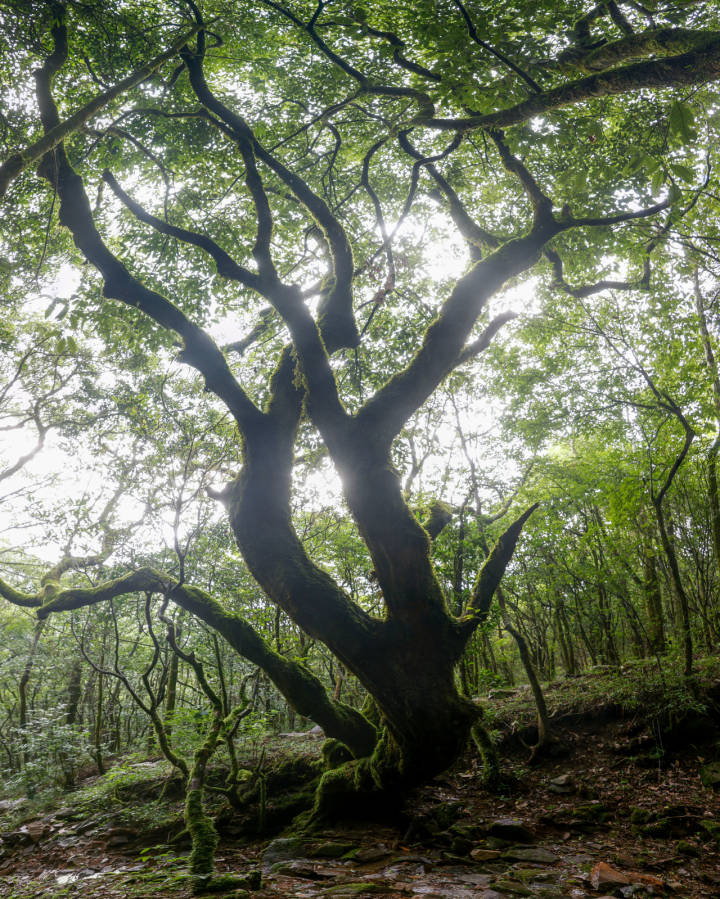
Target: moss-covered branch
305 692
491 573
697 66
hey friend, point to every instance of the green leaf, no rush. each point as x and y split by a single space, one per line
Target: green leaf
658 180
683 171
674 194
681 122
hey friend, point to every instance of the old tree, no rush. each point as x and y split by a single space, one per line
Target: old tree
288 174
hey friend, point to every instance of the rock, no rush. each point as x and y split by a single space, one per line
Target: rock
474 878
118 839
7 805
461 846
443 815
590 815
284 849
685 848
602 875
500 693
511 829
250 881
375 854
712 829
562 784
301 868
329 850
485 855
364 888
532 854
513 888
36 830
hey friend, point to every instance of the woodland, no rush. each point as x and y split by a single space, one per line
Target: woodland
357 359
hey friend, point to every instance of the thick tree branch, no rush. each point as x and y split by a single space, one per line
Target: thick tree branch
336 323
695 67
75 213
491 573
300 687
654 42
385 413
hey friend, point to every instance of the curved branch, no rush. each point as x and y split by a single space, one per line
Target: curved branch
225 264
587 290
483 341
199 350
386 412
335 314
495 52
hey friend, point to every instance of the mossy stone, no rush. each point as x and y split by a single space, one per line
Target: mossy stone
712 829
685 848
330 850
357 889
461 846
639 816
660 828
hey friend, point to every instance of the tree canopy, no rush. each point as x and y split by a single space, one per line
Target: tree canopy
370 290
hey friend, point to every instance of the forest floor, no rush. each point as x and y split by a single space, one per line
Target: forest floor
627 804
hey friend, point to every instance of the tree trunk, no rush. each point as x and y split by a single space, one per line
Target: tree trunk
653 599
543 719
681 595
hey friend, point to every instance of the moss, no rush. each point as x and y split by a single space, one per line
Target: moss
363 888
330 850
660 828
489 755
224 882
712 829
335 753
685 848
640 816
203 834
591 813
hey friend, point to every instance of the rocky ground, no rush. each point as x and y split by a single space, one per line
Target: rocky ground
622 808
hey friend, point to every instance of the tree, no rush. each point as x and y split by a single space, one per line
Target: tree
300 150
